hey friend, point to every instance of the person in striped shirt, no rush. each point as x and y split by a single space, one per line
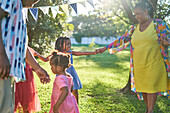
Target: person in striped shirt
14 51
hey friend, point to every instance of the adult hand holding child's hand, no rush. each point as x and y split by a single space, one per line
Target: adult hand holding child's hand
43 75
102 50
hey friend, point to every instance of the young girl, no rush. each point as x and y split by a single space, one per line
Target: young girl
63 44
62 101
26 95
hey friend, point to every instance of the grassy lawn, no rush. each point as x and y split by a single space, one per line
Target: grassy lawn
101 75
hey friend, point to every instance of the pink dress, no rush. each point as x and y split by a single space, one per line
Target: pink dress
69 105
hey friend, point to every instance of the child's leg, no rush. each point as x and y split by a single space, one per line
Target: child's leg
75 93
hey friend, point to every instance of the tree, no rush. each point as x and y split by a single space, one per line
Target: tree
98 23
44 32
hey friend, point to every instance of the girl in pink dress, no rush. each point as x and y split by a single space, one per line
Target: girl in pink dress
62 100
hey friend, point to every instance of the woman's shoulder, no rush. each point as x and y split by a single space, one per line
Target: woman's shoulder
158 21
160 24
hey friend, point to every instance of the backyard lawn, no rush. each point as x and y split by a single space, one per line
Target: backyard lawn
101 75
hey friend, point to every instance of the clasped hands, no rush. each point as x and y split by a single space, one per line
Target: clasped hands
43 75
100 51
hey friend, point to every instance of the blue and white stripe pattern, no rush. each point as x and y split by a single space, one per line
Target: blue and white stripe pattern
14 37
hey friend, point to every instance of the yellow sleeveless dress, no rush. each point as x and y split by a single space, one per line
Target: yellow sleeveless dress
149 69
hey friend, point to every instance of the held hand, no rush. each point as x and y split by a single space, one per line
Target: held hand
4 66
48 57
43 75
102 50
97 51
164 41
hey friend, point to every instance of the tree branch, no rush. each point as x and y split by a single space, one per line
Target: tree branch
122 19
154 3
128 11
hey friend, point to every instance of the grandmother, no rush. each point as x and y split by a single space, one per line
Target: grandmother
149 65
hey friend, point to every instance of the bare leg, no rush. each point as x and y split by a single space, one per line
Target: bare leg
75 93
145 100
151 97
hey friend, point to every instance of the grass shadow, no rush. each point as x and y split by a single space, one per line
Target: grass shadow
102 97
105 98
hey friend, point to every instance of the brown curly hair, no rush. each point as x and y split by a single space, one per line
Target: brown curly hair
60 59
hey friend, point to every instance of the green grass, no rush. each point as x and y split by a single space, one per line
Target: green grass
101 75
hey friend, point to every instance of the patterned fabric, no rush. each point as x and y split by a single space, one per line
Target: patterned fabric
34 13
122 42
14 36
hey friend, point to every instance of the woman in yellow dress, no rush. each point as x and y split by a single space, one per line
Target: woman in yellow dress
149 59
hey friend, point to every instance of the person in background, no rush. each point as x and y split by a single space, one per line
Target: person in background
149 64
14 51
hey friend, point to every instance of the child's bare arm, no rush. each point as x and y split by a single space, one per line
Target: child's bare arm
102 50
77 53
35 53
61 98
45 59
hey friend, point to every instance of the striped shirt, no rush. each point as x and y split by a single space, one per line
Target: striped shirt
14 37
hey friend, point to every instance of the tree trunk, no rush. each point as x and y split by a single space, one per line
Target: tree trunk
127 88
154 3
128 11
